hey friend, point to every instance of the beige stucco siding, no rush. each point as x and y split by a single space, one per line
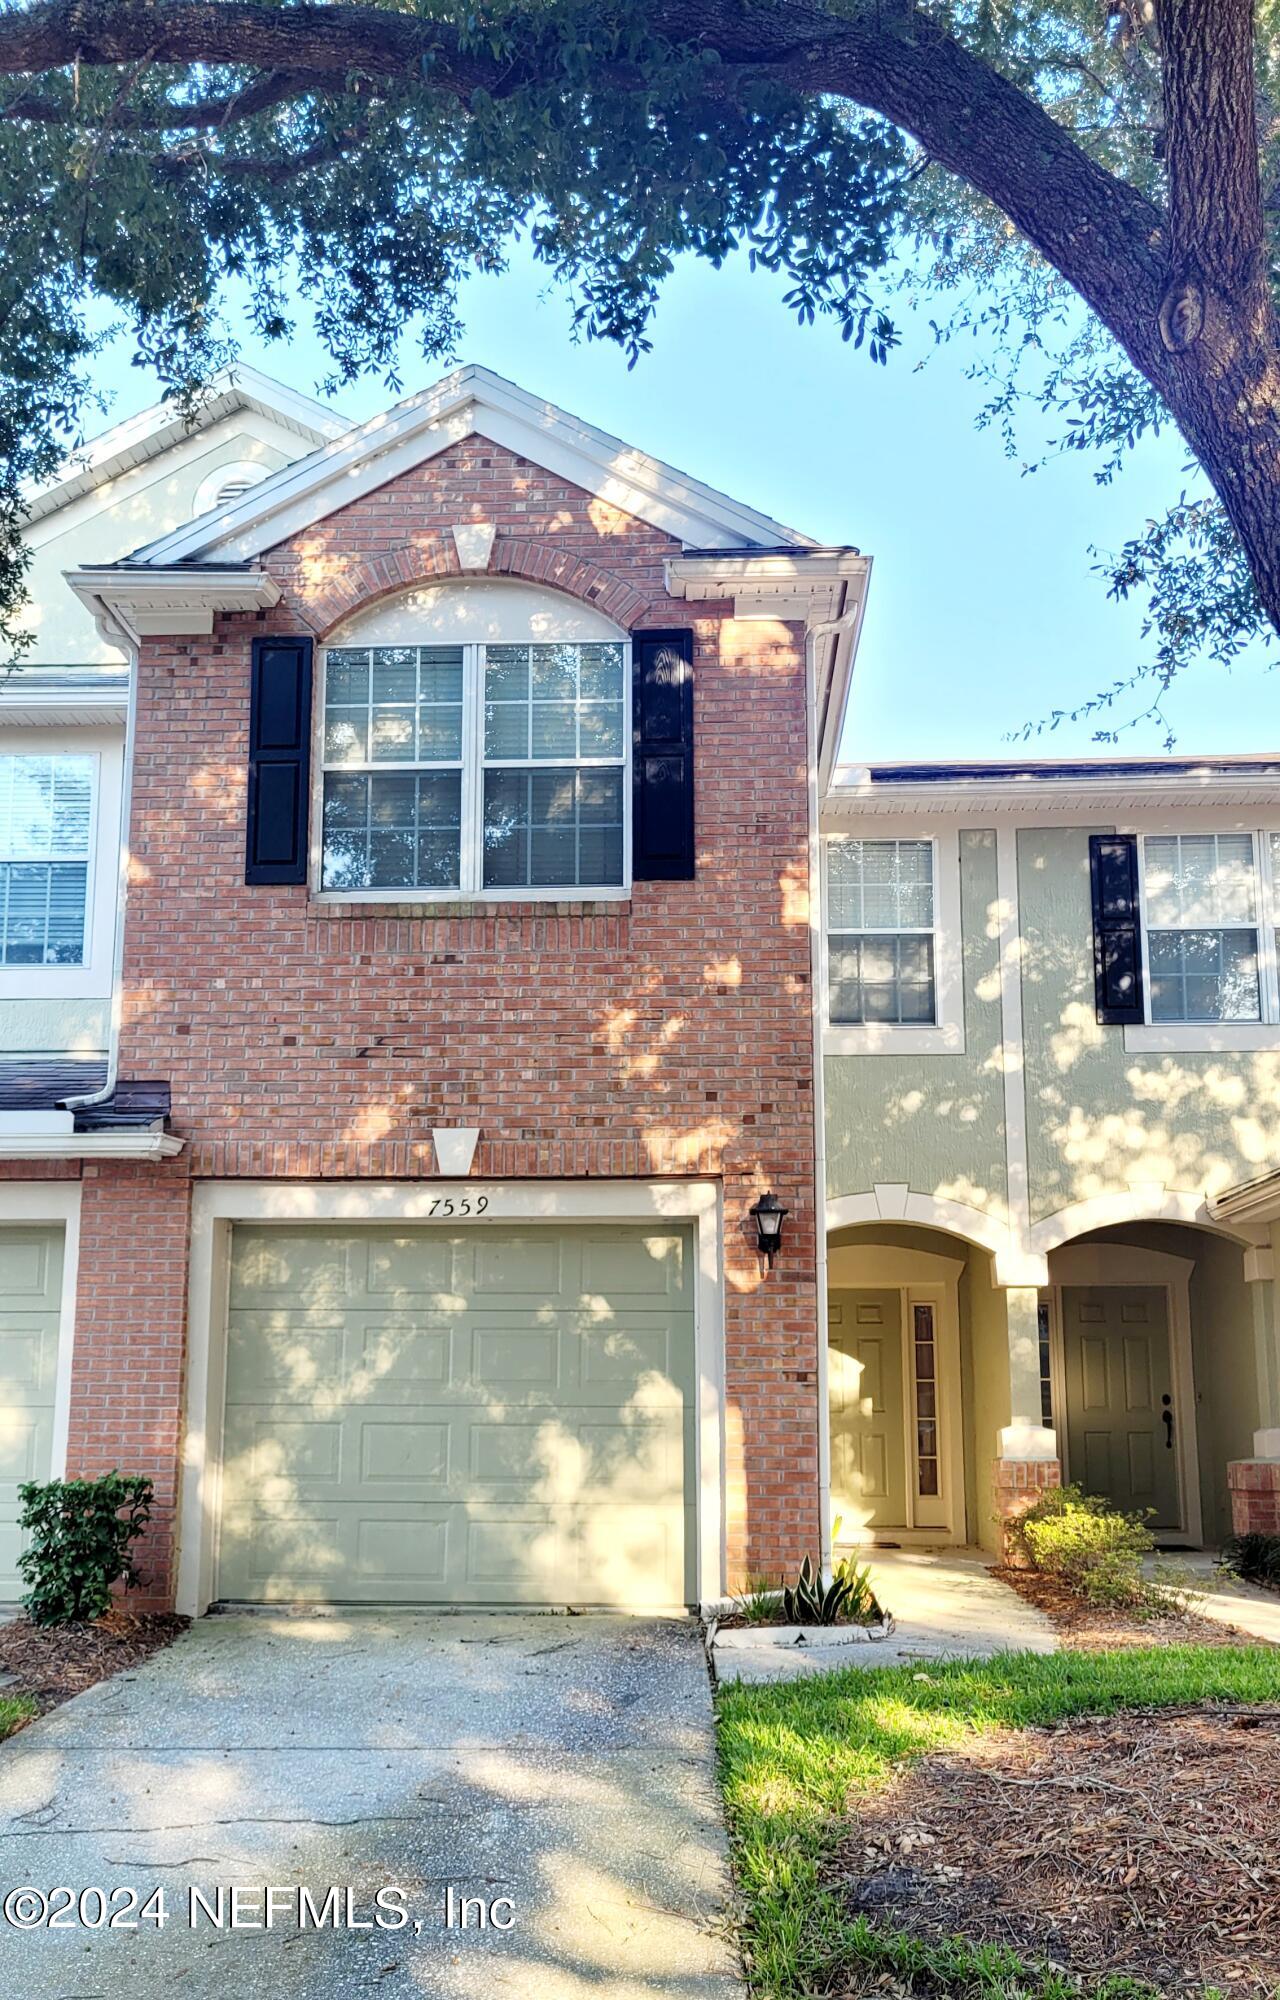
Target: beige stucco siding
1098 1118
935 1122
41 1027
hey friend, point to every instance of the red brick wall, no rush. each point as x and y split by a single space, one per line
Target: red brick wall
127 1364
670 1034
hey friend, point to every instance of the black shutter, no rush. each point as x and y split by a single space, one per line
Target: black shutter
1117 942
662 820
279 760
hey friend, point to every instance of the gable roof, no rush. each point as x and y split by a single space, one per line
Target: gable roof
155 430
471 400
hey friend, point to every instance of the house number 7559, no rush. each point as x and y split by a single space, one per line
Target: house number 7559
444 1205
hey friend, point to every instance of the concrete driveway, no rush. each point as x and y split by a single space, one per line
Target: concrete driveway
563 1764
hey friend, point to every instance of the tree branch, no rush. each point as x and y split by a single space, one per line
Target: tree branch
1215 195
201 114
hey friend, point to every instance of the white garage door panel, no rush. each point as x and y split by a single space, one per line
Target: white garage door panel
30 1298
485 1416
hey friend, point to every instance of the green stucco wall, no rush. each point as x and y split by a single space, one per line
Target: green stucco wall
1098 1118
937 1121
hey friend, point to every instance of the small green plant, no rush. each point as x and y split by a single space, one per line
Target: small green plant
861 1606
810 1601
1255 1557
760 1601
80 1533
1090 1546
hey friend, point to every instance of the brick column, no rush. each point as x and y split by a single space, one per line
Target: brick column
127 1373
1254 1483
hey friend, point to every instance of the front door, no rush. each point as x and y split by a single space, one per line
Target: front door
868 1448
1121 1421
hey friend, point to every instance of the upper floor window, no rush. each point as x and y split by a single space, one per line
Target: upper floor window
1209 927
474 767
880 918
46 827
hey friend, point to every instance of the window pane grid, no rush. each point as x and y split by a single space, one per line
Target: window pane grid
398 705
546 807
46 810
554 703
926 1379
1202 900
880 947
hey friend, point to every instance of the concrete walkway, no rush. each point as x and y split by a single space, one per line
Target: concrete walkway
1254 1612
946 1604
564 1764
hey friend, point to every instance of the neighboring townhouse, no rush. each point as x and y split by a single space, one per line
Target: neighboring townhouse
467 986
1052 1079
62 778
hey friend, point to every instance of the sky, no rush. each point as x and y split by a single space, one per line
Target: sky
984 612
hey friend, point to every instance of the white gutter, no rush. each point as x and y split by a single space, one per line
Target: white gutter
122 893
831 628
31 1142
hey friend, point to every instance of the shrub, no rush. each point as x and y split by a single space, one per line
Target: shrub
1088 1545
80 1534
759 1602
810 1601
1256 1557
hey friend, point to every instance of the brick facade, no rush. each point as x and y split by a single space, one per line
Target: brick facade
1017 1484
667 1035
1254 1485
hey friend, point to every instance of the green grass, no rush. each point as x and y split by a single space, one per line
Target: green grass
795 1756
13 1713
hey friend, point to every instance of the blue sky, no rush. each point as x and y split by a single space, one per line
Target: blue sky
983 610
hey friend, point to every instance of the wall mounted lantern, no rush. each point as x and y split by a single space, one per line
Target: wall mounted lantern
769 1213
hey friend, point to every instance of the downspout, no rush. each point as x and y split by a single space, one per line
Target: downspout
830 628
104 1095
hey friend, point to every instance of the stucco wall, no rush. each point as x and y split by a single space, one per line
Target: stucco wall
936 1121
49 1027
150 500
1097 1117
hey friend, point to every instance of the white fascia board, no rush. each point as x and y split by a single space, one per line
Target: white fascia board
154 430
46 707
852 793
471 401
30 1142
128 604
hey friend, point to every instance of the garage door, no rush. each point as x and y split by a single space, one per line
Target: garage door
467 1416
30 1296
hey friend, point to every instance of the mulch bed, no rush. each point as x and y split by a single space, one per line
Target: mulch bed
1144 1845
1085 1628
54 1662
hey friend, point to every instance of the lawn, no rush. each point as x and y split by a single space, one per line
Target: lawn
796 1757
13 1713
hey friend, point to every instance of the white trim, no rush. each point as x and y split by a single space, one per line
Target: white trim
471 766
54 1202
919 1277
1115 1265
897 1203
471 400
218 1205
812 584
161 426
1012 1044
91 980
127 604
1201 1037
28 1144
945 1034
1074 796
1141 1201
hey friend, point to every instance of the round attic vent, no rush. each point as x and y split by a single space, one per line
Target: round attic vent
227 485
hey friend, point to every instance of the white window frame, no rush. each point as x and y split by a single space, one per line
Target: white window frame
470 887
1204 1037
92 978
945 1034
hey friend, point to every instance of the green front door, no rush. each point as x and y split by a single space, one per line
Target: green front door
868 1447
1121 1419
461 1416
30 1299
